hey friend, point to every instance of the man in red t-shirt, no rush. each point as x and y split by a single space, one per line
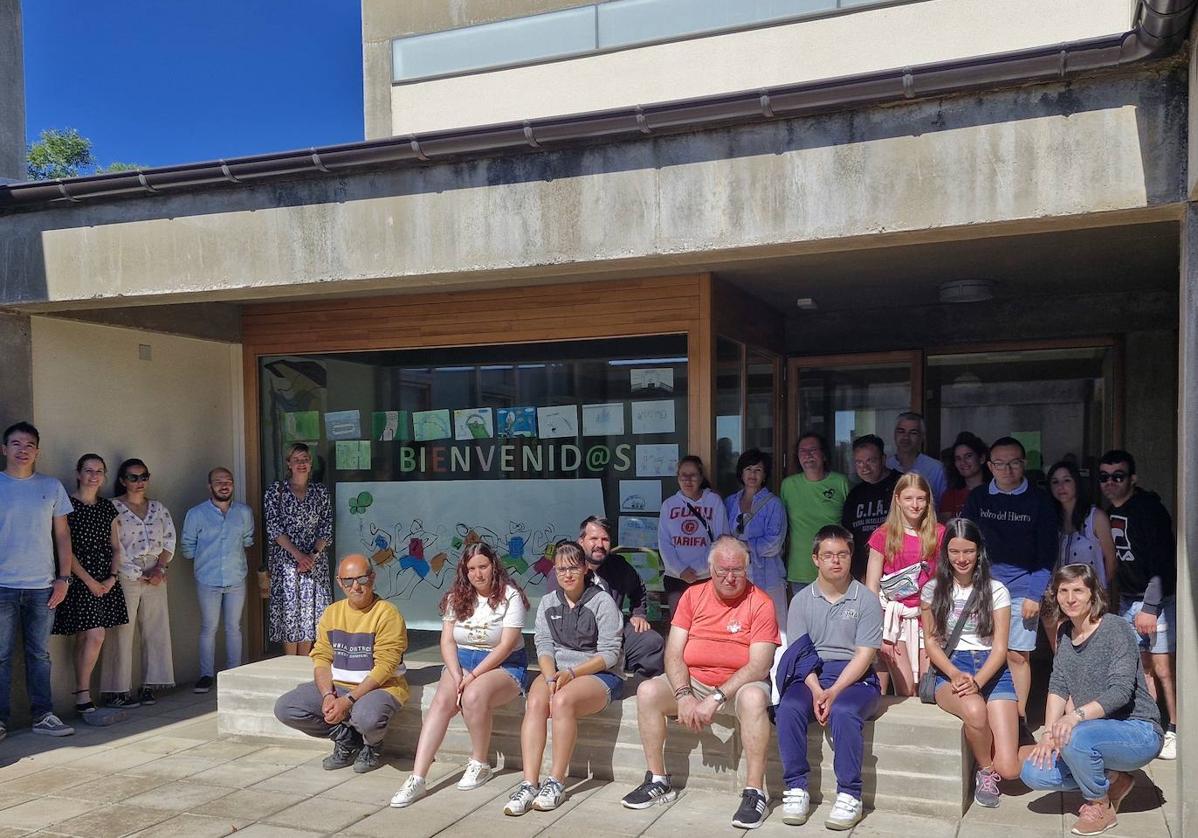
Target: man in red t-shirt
721 646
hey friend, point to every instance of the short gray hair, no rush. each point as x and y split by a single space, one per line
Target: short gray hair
912 416
728 546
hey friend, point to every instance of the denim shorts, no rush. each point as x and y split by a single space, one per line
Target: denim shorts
1023 632
614 684
999 688
516 664
1165 639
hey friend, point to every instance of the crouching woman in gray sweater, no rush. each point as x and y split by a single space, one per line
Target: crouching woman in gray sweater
1100 722
578 633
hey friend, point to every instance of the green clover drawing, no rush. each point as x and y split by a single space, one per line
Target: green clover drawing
359 505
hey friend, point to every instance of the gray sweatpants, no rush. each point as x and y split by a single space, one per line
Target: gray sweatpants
370 715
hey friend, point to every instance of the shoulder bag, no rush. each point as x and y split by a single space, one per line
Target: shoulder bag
927 681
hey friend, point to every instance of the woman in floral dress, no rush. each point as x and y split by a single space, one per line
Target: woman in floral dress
299 526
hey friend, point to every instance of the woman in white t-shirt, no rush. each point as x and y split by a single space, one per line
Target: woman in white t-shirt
482 645
973 683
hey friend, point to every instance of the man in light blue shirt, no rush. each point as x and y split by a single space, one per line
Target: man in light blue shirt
33 580
216 534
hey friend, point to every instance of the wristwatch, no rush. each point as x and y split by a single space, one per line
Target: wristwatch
719 696
66 579
1080 712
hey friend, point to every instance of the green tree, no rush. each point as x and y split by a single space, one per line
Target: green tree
63 153
59 153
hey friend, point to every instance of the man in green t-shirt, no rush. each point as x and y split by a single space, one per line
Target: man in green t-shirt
813 499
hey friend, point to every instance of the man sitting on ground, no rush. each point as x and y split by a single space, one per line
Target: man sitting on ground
842 620
358 681
720 649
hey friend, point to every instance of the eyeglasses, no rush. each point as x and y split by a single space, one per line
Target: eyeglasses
843 556
349 581
1112 476
1007 465
742 518
570 570
137 478
724 573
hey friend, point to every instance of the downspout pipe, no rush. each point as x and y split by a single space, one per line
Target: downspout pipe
1161 26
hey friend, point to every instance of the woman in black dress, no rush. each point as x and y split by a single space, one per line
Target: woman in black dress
94 601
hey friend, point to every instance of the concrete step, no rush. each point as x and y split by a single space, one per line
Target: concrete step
915 762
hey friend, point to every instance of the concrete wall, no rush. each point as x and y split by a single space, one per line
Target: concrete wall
383 20
181 412
954 168
829 47
12 93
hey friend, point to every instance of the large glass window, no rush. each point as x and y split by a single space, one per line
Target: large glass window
427 451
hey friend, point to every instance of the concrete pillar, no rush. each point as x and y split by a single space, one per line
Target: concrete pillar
16 373
12 93
1187 528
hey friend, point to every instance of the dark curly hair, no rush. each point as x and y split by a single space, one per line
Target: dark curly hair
461 596
942 597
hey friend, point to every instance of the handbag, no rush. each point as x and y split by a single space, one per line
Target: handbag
927 681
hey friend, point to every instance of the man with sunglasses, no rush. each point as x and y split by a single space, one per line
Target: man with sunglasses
358 678
1146 576
643 647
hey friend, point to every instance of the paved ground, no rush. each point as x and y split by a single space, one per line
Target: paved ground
165 772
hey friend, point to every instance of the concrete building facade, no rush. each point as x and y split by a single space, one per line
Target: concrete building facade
981 211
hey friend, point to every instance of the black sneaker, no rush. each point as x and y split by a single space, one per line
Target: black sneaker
146 696
122 701
649 793
751 813
203 685
369 758
347 742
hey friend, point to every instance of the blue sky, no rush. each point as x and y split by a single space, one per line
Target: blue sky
175 81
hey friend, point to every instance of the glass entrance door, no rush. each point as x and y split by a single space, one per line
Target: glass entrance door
843 397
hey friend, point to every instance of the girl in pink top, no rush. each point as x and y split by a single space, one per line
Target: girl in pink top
902 557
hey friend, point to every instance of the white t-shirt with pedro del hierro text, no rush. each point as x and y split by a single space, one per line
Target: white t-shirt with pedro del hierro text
483 629
970 641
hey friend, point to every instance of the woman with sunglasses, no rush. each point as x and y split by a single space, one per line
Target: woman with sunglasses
147 538
299 526
578 634
757 518
1084 531
690 522
1100 722
482 644
94 600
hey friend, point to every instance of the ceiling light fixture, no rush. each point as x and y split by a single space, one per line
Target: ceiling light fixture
806 304
966 291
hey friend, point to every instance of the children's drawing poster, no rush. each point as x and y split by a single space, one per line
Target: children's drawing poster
637 532
651 380
647 564
473 423
558 422
640 496
352 454
429 425
517 421
343 424
657 460
603 419
415 533
301 426
653 417
390 426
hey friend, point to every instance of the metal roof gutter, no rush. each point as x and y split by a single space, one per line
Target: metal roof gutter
1161 27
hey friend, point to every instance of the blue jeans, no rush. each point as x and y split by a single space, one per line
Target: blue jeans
28 608
213 601
1095 746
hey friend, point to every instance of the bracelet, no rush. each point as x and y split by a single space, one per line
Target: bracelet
352 700
331 694
681 691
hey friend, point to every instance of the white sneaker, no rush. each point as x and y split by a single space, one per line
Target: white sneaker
1169 749
549 797
476 775
51 725
411 791
796 806
521 799
846 812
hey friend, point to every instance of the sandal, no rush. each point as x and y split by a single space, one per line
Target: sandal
87 706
